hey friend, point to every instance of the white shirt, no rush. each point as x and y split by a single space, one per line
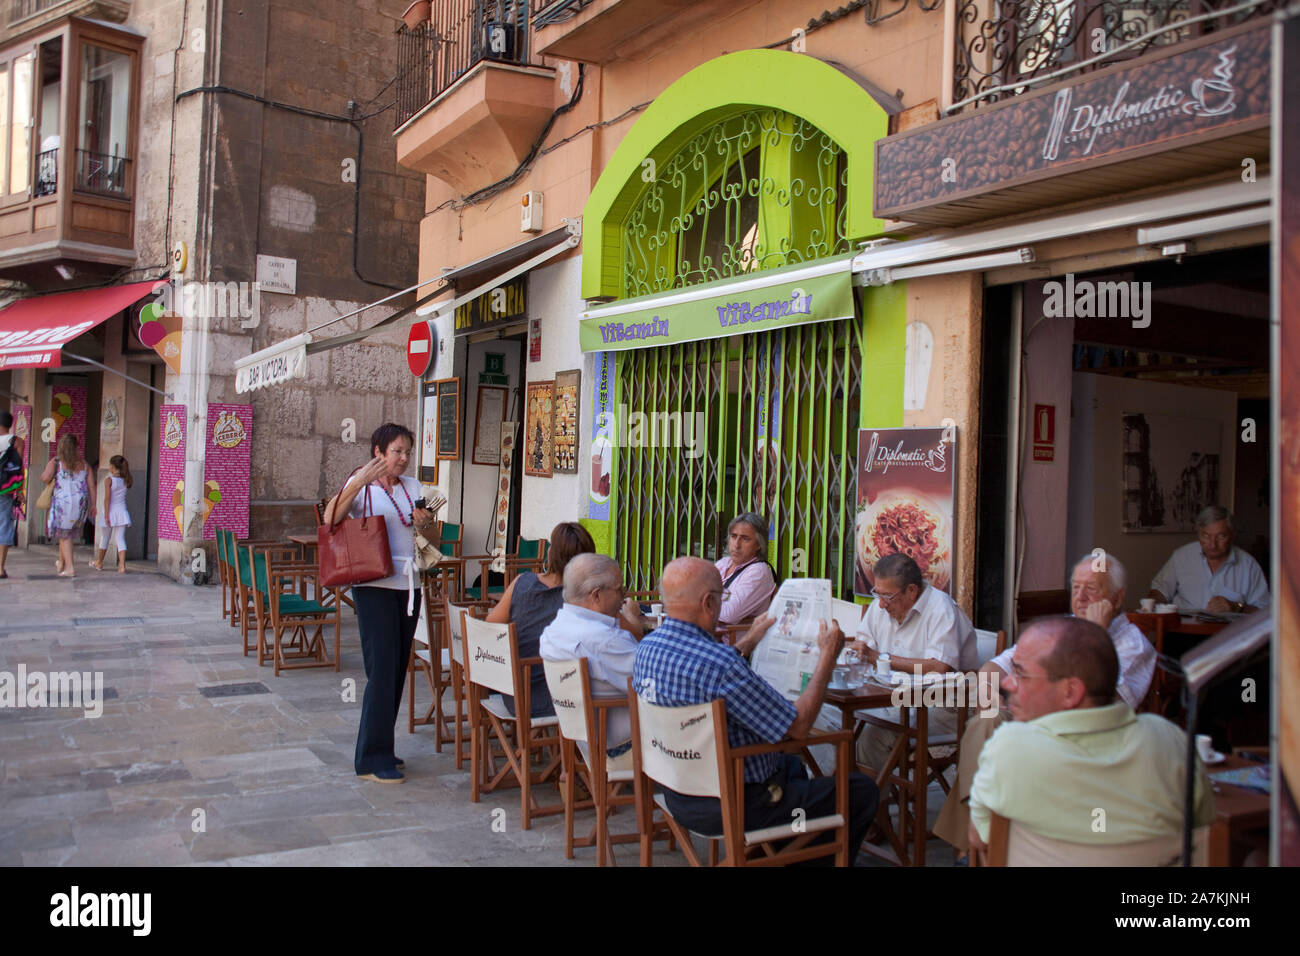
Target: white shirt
934 628
1137 660
401 535
1186 579
610 651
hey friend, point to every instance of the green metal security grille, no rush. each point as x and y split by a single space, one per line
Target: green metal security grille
763 422
672 501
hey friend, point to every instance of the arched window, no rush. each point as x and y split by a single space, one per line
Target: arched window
758 190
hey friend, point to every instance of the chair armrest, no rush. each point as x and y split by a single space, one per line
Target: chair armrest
794 746
608 703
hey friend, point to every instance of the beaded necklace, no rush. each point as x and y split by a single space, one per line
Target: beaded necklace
405 522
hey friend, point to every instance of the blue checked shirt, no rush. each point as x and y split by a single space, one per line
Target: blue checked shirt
679 664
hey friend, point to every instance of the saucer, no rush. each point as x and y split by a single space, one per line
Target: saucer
1214 758
834 686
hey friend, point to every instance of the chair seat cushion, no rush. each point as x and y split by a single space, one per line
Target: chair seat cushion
782 831
292 604
474 594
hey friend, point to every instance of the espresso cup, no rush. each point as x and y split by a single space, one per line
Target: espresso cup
1205 746
1147 604
883 667
656 610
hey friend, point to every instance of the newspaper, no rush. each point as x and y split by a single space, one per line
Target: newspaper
787 655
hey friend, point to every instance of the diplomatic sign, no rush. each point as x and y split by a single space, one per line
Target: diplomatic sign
905 502
1215 89
820 291
419 349
506 303
448 391
285 362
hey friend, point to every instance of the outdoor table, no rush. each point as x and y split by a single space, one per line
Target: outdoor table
911 778
1237 811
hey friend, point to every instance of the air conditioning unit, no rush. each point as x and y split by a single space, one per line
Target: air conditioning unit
530 212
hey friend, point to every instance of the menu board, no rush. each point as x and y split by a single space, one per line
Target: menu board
490 413
538 438
905 502
428 433
448 392
568 388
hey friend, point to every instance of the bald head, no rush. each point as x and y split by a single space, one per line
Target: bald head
692 591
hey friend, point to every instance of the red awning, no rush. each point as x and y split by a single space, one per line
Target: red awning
33 331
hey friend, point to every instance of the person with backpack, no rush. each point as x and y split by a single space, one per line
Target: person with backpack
748 581
11 486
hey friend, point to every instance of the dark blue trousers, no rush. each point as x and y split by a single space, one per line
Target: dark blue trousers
815 796
386 635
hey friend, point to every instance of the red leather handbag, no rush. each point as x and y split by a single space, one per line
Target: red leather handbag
354 550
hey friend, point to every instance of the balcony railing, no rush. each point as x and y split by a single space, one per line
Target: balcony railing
101 173
1023 40
47 172
458 35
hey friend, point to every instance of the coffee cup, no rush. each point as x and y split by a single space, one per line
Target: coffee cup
1205 747
1147 604
656 611
883 666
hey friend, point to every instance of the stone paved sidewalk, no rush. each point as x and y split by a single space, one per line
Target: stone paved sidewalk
270 768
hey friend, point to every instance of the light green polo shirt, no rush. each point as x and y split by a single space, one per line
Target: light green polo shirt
1099 775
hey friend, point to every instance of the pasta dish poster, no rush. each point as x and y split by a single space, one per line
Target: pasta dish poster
905 502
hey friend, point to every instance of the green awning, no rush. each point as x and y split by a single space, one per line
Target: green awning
820 291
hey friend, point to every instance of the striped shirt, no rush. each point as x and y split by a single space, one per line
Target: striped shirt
679 664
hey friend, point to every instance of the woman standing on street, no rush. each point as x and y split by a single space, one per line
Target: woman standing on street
385 615
71 503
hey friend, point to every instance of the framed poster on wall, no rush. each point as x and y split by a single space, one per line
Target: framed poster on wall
490 413
568 389
428 432
905 502
448 394
538 438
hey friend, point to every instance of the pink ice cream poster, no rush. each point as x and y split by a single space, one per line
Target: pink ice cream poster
227 464
171 472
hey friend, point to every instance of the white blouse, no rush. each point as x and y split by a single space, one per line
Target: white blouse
401 534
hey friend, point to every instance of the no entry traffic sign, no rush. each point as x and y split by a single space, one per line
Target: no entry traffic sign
419 349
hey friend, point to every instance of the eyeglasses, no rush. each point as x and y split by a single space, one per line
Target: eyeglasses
884 598
1019 675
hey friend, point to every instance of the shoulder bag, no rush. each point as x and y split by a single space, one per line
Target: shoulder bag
354 550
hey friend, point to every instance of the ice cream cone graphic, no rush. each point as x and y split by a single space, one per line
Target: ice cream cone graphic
60 410
211 497
162 333
178 505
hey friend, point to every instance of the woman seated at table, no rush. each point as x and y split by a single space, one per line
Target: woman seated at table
747 579
532 601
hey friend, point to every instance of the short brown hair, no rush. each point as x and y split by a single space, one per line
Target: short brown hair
567 540
1084 650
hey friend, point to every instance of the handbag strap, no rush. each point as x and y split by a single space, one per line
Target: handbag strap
366 508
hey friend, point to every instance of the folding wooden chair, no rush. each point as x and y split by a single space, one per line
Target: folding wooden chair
280 606
584 730
430 651
686 750
244 614
227 605
492 664
1010 844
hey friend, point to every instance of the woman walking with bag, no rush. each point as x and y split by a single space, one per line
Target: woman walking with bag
70 503
386 613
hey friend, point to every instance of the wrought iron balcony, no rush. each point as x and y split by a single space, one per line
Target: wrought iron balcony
1024 41
458 35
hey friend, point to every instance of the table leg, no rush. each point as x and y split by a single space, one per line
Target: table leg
921 785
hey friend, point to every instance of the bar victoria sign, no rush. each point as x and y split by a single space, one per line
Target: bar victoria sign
1206 90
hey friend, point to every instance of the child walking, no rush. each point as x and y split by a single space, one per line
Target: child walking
114 519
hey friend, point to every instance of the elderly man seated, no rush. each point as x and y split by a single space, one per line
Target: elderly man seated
747 579
1212 573
1097 590
680 663
919 627
597 621
1077 765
